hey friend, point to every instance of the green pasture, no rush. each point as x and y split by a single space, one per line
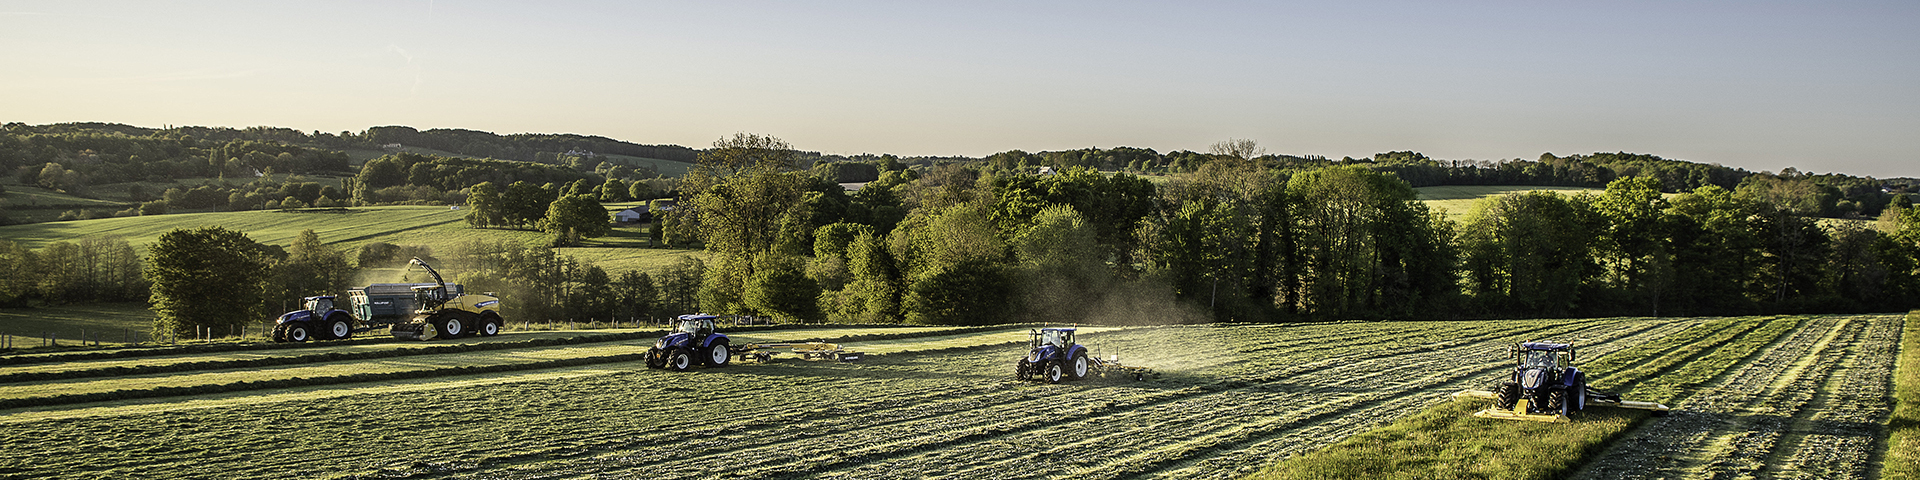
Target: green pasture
107 322
667 168
22 196
1457 200
443 229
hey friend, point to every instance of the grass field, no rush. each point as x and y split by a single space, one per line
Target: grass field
930 404
1458 200
107 323
437 227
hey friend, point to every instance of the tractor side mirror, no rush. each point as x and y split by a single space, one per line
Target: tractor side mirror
1513 352
1569 355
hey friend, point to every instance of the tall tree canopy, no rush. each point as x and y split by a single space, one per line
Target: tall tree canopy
205 277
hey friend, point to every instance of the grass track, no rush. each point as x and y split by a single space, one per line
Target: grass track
1902 459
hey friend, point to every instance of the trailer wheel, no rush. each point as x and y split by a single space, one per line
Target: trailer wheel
297 332
679 359
1508 395
718 355
339 328
1079 367
1054 371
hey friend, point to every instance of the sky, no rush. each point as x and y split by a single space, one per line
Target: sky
1829 86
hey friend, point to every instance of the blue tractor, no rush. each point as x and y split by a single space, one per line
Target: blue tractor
1053 356
1544 387
321 320
1540 379
694 343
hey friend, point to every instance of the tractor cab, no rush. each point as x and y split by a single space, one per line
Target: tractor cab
320 304
1060 338
1543 355
698 326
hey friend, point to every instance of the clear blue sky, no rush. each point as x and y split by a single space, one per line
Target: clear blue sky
1830 86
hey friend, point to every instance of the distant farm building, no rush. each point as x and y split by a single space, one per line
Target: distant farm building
632 215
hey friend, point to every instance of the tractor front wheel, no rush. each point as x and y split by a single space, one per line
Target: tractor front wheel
280 333
1557 402
298 332
1508 395
1053 371
656 359
340 329
679 359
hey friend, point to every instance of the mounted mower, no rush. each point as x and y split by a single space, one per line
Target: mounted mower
1053 356
1541 389
696 342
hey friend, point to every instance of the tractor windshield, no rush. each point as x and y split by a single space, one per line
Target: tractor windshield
320 304
696 327
1054 337
1538 359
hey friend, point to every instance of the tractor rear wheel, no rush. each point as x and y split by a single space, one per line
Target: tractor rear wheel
1508 395
1577 399
679 359
1053 371
1079 370
298 332
489 326
339 329
718 355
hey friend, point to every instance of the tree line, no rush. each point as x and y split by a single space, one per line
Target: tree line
1250 239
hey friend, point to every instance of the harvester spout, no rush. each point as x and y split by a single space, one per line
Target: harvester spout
430 271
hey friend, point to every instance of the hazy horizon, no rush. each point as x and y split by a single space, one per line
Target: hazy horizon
1821 87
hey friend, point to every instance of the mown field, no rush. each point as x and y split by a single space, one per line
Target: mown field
1798 396
931 402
